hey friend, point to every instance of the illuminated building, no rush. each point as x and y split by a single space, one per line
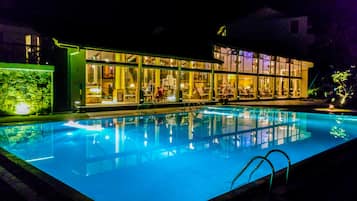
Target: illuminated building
103 77
108 77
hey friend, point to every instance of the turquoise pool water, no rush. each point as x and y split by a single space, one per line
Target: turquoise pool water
178 156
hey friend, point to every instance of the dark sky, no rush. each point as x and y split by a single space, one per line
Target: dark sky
133 15
103 21
138 13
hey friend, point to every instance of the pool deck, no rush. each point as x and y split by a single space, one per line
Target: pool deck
331 175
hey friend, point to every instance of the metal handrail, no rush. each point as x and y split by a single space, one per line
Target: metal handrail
266 155
246 166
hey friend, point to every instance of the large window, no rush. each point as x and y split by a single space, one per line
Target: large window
282 66
149 84
295 66
226 86
266 64
247 86
93 84
243 74
159 86
266 87
200 65
128 88
167 85
247 62
32 43
282 87
106 84
147 60
111 56
100 55
295 87
195 85
229 57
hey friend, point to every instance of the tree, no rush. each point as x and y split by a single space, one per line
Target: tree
344 89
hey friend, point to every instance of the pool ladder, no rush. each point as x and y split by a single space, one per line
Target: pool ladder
262 159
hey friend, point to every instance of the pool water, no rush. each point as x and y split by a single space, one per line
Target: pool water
177 156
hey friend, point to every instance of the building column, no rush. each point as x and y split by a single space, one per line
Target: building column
212 94
116 78
139 94
274 84
257 73
289 82
178 93
190 81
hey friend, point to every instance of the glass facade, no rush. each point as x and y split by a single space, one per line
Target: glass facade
266 87
115 77
282 87
266 64
226 86
110 84
247 85
195 85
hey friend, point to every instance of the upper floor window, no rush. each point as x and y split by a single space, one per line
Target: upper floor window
294 26
32 48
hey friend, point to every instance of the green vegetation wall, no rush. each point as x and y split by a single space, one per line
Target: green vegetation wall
24 91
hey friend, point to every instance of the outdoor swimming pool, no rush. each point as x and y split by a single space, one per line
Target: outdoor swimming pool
178 156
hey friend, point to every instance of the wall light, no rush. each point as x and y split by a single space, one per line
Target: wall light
22 108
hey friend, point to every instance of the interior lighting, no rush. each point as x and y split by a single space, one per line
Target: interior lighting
94 90
171 98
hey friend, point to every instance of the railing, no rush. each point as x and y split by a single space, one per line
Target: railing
250 162
264 158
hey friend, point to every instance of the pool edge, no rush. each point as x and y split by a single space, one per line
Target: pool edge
261 186
43 185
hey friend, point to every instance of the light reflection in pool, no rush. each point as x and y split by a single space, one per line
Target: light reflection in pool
179 156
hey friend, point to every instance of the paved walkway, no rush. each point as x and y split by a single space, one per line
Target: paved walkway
332 177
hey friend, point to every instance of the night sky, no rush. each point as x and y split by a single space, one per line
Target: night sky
173 21
135 14
149 16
